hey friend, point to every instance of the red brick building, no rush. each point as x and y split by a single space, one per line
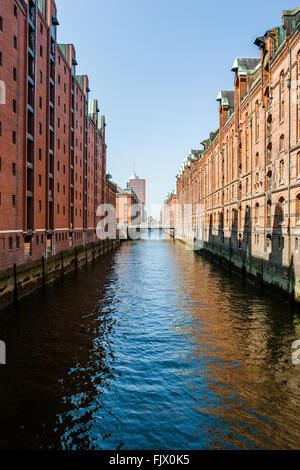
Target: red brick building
245 182
129 208
52 139
170 211
138 186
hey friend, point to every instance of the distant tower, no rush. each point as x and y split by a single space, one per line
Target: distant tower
138 185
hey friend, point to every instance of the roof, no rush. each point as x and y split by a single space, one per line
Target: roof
93 108
226 97
126 191
261 40
291 19
243 64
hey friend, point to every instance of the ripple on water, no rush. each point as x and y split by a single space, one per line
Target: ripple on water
152 347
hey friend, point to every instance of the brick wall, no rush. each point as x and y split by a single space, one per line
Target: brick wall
246 176
53 154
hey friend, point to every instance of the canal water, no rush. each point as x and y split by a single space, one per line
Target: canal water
152 347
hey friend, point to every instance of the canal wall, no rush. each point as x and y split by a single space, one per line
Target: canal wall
267 272
262 273
24 279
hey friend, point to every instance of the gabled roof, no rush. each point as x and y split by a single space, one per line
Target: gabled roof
126 191
261 40
226 98
291 19
243 64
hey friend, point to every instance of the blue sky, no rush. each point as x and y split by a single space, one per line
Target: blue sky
156 67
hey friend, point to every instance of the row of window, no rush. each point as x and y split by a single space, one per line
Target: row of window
14 242
58 210
61 236
278 238
279 215
10 243
257 181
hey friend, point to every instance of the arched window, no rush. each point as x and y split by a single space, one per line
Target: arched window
281 204
281 171
247 186
256 214
234 218
297 208
221 220
247 215
281 143
281 97
257 159
256 185
240 241
269 181
269 206
268 243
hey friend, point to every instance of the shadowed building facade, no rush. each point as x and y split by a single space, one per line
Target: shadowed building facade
52 139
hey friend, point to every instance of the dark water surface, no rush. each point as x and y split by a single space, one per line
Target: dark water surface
152 347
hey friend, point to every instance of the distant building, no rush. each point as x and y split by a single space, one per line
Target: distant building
138 185
127 212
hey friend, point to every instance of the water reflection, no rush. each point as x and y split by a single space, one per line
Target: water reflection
152 347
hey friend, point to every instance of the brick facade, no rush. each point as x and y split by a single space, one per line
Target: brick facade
129 208
52 147
246 180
